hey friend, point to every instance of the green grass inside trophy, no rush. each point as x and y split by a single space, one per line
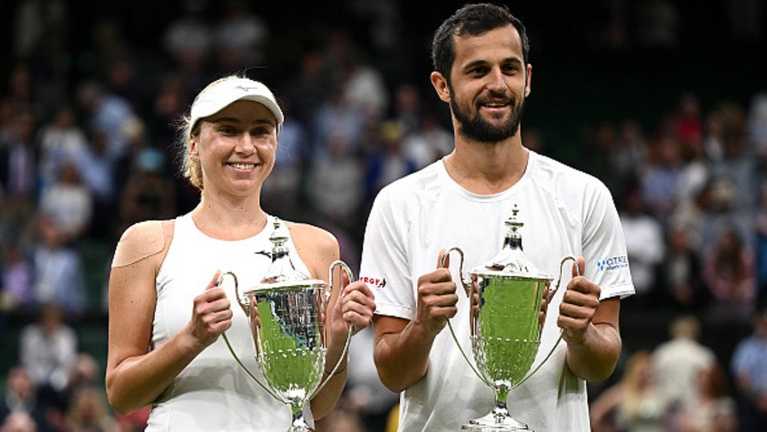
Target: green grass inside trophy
288 329
505 297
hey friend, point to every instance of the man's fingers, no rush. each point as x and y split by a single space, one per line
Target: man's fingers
580 269
582 288
577 312
215 281
216 317
440 288
441 300
444 312
443 259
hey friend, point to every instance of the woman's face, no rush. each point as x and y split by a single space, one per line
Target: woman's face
236 148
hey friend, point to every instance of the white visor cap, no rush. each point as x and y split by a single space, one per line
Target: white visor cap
225 91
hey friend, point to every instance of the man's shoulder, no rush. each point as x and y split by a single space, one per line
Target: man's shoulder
424 181
569 186
553 171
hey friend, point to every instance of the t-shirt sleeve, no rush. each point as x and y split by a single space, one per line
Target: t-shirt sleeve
384 264
604 246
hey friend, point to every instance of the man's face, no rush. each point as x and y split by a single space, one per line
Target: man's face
488 84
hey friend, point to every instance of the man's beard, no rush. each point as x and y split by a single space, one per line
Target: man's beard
479 129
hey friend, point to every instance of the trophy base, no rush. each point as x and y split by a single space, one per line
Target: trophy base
490 423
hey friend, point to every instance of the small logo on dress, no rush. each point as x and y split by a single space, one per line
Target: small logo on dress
376 282
612 263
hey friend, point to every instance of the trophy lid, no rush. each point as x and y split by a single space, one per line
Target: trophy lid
511 260
282 272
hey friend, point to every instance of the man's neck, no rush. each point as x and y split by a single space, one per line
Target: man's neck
487 168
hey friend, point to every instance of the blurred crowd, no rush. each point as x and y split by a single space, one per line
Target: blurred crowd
88 146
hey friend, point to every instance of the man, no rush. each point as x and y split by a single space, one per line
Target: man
750 372
480 58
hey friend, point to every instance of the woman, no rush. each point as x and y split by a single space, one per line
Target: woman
166 308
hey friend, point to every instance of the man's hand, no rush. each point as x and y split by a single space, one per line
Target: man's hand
578 306
436 297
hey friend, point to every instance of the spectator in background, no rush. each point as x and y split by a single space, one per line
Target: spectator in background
428 143
757 124
68 204
682 271
60 141
737 164
633 404
630 155
188 40
659 181
644 241
58 274
49 349
407 108
110 114
336 182
19 422
750 370
678 362
88 412
686 123
148 194
710 408
761 245
389 162
16 279
240 37
282 191
18 159
19 397
729 274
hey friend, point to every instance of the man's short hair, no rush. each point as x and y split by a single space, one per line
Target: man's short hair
473 20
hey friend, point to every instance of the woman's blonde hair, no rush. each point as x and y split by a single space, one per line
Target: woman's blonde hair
190 168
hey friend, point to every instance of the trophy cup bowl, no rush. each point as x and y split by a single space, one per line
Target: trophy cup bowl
505 298
286 313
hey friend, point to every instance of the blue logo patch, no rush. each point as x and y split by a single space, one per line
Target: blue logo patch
612 263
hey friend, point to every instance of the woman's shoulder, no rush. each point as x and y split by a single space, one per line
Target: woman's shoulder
143 240
313 239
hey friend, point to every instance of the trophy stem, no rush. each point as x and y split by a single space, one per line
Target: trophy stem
500 411
297 412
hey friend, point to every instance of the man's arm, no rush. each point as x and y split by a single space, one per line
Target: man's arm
402 347
595 356
591 328
401 352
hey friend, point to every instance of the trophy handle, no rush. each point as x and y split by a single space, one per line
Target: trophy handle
245 308
466 283
326 302
561 332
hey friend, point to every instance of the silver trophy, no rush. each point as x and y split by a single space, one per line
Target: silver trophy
287 312
505 298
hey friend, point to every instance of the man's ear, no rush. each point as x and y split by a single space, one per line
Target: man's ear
439 82
528 80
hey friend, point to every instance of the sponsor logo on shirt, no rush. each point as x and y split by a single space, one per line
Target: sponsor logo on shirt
613 263
376 282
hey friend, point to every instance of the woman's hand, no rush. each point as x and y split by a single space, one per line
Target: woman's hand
354 307
211 314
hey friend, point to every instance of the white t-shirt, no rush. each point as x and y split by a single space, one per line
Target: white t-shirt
565 212
213 393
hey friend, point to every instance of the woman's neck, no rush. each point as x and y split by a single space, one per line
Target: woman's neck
229 218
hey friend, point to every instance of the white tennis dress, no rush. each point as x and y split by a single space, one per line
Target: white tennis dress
212 393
